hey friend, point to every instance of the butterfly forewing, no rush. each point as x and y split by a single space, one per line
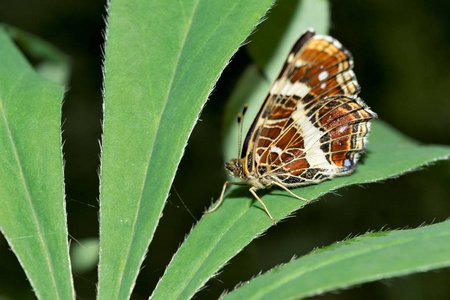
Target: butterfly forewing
312 125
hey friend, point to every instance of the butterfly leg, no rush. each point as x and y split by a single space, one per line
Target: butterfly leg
222 194
220 199
290 192
252 190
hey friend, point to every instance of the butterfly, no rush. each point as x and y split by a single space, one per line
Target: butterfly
312 125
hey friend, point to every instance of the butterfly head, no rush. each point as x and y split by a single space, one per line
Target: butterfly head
234 168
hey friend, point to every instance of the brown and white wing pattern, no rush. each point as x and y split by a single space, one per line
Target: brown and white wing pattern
312 126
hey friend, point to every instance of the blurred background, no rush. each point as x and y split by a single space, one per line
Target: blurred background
402 60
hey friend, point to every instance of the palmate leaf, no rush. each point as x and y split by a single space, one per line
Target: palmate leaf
157 78
32 214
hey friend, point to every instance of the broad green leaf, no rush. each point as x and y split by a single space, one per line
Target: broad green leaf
162 60
32 214
370 257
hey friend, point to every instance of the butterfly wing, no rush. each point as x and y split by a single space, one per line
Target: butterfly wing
248 148
312 125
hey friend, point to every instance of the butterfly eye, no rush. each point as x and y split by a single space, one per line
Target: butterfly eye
233 167
229 166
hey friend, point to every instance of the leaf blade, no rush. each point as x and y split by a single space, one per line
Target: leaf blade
397 253
165 69
33 217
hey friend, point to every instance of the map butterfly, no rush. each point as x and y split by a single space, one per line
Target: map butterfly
312 125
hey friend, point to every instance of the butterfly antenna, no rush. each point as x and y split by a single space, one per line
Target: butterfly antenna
240 119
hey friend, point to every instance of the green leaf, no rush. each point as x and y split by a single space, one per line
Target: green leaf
370 257
157 78
32 214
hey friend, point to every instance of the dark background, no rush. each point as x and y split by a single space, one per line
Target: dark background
402 60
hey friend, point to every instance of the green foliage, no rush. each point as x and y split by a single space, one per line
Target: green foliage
32 214
373 256
162 61
162 70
